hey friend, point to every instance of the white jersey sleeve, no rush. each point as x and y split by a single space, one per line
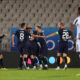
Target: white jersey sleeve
76 21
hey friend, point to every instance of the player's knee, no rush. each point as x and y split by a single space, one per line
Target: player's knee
64 54
32 57
25 55
1 56
58 54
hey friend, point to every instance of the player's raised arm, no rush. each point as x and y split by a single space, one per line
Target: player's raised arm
53 34
12 38
37 36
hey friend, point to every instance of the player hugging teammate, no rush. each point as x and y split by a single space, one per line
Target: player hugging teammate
27 45
32 43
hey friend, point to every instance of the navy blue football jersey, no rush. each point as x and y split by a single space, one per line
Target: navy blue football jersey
41 40
64 35
22 35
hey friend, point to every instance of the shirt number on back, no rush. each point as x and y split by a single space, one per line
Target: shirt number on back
21 36
65 36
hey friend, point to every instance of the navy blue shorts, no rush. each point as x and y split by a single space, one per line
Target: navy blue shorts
63 48
33 48
22 49
44 49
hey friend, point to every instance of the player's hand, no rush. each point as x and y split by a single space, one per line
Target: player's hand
75 39
13 44
47 36
5 34
44 37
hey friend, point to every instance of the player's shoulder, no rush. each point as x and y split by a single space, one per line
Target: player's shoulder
17 31
67 30
77 18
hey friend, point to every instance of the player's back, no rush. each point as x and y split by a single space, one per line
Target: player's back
22 35
64 34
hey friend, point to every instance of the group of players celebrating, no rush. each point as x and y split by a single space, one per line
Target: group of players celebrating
32 43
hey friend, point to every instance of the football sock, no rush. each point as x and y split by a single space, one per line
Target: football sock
65 58
40 60
45 61
20 63
32 60
1 63
58 61
26 59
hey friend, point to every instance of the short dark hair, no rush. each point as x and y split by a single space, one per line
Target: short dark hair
28 27
22 25
78 8
39 27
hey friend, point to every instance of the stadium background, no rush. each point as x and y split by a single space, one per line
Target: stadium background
35 12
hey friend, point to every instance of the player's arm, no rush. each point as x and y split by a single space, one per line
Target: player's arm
69 37
12 38
53 34
4 35
71 30
37 36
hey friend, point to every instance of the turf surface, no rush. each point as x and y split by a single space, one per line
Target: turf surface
51 74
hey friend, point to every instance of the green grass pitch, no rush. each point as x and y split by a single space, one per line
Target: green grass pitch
50 74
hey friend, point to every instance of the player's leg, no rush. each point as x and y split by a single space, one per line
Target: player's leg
1 60
40 62
21 56
21 61
65 59
32 60
60 51
65 52
44 52
45 62
58 61
25 61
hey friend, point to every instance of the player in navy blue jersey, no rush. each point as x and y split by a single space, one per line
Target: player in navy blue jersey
43 47
23 38
1 56
64 35
34 46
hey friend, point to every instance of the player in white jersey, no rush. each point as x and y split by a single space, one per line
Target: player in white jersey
76 23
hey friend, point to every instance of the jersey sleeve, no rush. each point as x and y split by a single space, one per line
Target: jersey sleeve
2 36
75 21
16 33
28 33
58 32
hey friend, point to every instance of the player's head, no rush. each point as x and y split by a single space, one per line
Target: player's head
38 28
23 25
61 25
79 11
29 29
